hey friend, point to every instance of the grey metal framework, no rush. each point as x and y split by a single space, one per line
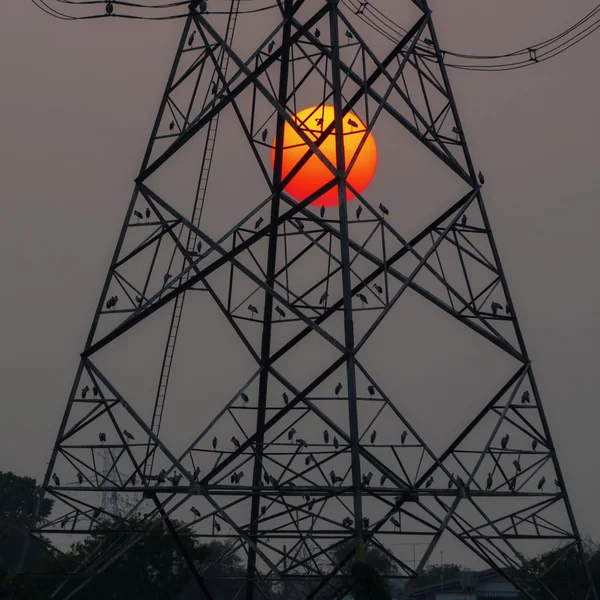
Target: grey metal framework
303 470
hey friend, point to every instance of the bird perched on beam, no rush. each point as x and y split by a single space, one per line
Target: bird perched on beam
195 512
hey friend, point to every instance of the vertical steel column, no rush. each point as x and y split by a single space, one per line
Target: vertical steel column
265 352
336 80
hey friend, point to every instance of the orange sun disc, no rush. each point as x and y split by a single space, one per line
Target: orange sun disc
314 174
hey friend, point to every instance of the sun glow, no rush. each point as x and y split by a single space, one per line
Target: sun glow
314 174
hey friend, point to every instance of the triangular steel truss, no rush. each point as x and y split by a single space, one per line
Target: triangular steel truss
302 461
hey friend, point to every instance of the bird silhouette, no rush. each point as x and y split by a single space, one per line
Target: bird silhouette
362 298
557 484
347 522
395 522
517 465
291 433
359 211
383 209
489 481
338 388
371 390
191 38
217 526
239 476
138 214
64 522
382 480
429 482
352 123
175 479
271 46
336 443
322 212
148 213
102 437
378 288
80 477
481 178
55 479
332 476
508 309
235 442
373 436
323 298
368 478
463 221
162 476
496 306
195 512
133 480
244 397
264 134
534 444
349 34
171 125
196 472
403 436
166 278
263 510
541 483
84 391
326 436
285 397
299 224
199 247
525 397
504 441
317 33
308 459
214 443
301 443
280 311
128 435
214 88
109 8
253 310
319 121
258 222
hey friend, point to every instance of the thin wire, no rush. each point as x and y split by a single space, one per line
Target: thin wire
383 25
368 14
58 15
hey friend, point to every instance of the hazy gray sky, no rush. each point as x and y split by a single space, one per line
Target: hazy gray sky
76 108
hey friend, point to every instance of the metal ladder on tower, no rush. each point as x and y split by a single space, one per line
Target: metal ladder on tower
191 243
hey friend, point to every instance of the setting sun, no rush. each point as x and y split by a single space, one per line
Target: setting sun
314 174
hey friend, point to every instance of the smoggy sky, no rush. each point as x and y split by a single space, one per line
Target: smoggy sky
76 107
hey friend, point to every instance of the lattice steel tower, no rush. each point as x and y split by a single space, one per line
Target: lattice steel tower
309 462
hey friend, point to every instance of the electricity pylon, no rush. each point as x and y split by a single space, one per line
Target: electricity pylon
309 464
